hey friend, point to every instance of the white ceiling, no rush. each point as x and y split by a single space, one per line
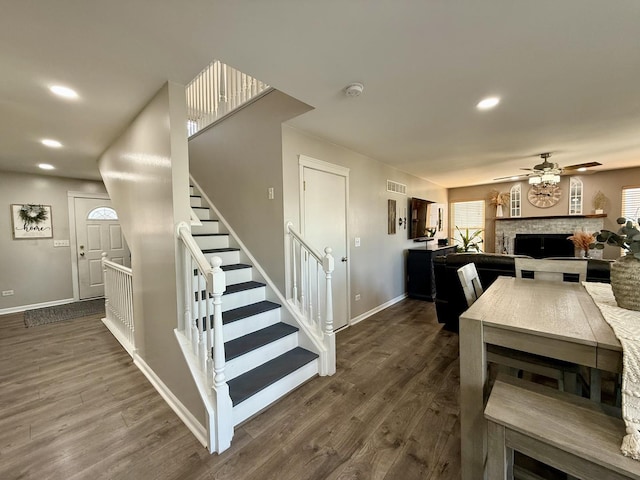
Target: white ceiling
568 73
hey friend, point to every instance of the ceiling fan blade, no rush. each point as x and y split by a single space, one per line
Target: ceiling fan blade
511 177
582 165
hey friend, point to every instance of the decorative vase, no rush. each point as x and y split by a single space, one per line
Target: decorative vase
625 282
498 211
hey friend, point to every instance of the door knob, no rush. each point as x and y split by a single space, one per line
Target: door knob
82 254
344 259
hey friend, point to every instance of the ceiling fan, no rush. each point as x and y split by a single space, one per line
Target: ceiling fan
548 172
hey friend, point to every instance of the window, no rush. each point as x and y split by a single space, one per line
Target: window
467 215
575 196
102 213
515 198
631 203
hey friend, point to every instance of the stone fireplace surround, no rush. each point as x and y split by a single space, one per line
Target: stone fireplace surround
509 227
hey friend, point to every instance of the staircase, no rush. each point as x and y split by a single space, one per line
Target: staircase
262 350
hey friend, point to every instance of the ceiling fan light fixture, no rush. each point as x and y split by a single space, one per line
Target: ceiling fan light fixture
535 180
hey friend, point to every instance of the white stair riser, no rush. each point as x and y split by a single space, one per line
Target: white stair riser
202 213
216 241
266 397
239 275
240 299
206 227
228 258
257 357
191 191
196 201
248 325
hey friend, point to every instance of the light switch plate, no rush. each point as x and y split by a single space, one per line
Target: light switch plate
357 242
61 243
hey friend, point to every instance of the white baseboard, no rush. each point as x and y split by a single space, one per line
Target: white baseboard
33 306
379 308
176 405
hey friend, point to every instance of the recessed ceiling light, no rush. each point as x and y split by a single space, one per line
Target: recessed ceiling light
515 178
46 166
51 143
65 92
487 103
582 169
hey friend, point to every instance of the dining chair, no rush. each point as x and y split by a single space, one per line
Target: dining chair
511 361
556 270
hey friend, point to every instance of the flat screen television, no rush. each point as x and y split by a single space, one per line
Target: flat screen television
418 219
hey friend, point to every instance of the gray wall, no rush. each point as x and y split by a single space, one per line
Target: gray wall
378 266
146 173
236 161
33 268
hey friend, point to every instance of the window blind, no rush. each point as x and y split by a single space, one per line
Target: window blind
467 215
631 203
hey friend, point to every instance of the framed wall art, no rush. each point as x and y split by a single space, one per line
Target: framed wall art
31 221
391 217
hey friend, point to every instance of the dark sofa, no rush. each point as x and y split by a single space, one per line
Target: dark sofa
450 301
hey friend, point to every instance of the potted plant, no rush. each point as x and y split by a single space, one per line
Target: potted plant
498 199
468 241
625 271
582 241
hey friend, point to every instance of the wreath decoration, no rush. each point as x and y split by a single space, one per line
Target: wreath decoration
33 214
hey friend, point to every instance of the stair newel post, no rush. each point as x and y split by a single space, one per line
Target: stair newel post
329 336
219 286
208 322
290 246
107 285
224 407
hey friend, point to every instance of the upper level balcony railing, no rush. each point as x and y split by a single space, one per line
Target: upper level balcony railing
216 91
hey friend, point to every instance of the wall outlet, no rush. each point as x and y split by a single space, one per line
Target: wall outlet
357 297
61 243
7 293
357 241
270 193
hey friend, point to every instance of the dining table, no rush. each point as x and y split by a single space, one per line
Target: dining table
558 320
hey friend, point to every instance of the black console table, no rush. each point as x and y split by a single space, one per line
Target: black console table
420 277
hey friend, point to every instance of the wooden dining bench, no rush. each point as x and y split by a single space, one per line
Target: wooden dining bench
570 433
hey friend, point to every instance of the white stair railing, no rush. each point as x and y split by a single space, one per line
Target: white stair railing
309 291
216 91
201 326
118 294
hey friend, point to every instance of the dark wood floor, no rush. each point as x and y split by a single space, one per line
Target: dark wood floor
73 406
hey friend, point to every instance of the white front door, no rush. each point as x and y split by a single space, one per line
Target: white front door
97 230
324 224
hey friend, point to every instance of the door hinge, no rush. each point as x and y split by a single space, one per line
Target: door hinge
304 185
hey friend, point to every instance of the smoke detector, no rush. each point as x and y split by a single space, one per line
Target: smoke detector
353 90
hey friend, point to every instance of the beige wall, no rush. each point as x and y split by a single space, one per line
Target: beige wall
236 162
146 173
609 182
35 270
377 267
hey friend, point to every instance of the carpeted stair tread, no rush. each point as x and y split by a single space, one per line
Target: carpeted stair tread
200 208
239 287
201 220
209 234
218 250
239 313
257 339
252 382
195 196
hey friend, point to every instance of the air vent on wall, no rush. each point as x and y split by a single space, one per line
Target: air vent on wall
396 187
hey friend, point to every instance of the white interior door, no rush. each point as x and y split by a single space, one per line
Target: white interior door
324 224
97 230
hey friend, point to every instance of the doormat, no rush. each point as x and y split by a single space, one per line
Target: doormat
60 313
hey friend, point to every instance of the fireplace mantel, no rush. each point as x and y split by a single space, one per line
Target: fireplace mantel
602 215
507 228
